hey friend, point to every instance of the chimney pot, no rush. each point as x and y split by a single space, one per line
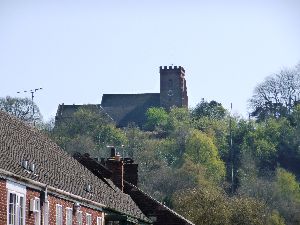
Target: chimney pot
112 152
118 157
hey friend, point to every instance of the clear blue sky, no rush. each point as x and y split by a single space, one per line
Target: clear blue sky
78 50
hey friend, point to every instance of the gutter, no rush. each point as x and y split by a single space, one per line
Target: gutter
8 175
14 177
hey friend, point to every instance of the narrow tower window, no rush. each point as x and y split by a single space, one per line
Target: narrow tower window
170 83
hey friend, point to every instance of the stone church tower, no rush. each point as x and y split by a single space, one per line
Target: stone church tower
173 90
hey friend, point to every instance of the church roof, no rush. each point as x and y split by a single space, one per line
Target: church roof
126 108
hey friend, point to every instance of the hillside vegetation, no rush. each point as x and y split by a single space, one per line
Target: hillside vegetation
210 166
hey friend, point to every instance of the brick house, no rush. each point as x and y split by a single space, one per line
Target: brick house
40 184
124 173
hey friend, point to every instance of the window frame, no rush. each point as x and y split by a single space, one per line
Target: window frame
79 216
37 215
59 218
69 216
19 191
99 220
86 219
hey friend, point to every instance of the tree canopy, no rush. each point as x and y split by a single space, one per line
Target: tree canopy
22 108
277 95
186 159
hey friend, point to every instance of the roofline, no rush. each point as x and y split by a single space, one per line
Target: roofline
8 175
17 178
164 206
133 94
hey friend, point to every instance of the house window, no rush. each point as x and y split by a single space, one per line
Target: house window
99 220
79 218
15 203
68 216
88 219
59 215
37 211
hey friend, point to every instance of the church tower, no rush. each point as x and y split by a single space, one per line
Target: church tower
173 91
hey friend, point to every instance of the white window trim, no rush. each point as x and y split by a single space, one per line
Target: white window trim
16 187
61 216
77 215
37 215
20 191
99 220
69 209
86 216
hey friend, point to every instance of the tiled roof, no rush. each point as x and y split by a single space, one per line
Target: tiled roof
148 206
54 167
126 108
146 203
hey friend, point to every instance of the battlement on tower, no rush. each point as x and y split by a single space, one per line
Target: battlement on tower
171 69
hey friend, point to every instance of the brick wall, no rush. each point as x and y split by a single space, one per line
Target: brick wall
67 204
3 201
30 216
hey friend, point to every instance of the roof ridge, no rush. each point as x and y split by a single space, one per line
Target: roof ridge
54 166
161 204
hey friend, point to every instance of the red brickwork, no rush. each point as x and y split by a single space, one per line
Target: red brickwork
29 216
117 168
67 204
3 202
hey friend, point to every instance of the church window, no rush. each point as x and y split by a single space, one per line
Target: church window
170 83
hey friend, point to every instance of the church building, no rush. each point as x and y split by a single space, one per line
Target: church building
131 108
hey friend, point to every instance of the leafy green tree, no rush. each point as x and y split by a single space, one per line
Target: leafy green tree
287 185
276 219
201 149
86 126
170 151
210 205
212 109
156 118
289 154
179 119
216 129
247 210
135 140
207 205
267 140
83 122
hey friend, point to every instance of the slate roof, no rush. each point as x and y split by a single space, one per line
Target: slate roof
146 203
149 206
126 108
19 141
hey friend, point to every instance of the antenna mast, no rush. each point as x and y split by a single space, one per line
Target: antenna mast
231 150
32 91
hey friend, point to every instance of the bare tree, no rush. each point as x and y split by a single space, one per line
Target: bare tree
21 108
277 95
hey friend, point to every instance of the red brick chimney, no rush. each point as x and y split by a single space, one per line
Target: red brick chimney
122 169
130 171
116 165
